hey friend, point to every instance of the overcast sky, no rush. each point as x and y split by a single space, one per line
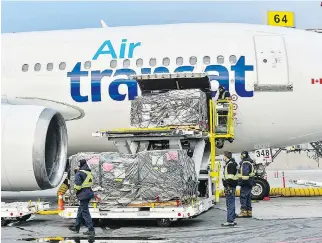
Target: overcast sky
48 15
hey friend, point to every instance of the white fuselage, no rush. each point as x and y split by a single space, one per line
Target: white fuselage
93 102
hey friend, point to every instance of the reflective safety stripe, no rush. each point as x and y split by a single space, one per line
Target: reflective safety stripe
62 189
229 176
251 174
87 183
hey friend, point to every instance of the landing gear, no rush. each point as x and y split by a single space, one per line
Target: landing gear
261 189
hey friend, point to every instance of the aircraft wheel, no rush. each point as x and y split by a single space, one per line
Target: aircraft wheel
260 189
268 188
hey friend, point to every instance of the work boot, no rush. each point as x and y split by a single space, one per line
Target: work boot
89 233
228 224
74 229
243 214
249 213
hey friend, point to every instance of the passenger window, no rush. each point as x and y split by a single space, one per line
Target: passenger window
126 63
113 64
153 62
50 66
62 66
232 59
87 65
37 67
193 60
179 61
25 67
206 59
139 62
166 61
220 60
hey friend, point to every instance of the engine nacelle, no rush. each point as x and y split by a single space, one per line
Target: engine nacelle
34 148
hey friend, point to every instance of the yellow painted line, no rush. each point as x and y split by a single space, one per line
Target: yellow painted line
288 192
49 212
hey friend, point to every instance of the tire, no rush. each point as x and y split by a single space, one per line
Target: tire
163 222
260 189
268 188
23 218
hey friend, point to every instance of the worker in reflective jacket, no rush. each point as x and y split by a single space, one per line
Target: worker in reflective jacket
230 178
246 182
83 183
223 93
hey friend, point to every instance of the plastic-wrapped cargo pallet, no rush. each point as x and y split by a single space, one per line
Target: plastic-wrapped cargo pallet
175 107
120 179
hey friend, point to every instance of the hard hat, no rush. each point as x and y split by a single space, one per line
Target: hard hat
244 154
82 162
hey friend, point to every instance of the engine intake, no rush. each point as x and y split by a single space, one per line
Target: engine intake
34 148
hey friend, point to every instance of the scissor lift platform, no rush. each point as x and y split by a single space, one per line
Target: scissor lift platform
200 143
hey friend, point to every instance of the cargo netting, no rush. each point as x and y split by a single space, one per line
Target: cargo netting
148 176
172 108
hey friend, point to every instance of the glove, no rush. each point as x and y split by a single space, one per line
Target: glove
228 191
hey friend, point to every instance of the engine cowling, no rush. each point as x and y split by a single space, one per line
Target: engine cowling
34 148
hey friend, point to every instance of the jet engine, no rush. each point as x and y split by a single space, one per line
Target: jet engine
34 147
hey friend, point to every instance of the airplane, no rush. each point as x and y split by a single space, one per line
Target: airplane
75 82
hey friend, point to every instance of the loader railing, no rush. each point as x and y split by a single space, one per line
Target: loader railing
224 119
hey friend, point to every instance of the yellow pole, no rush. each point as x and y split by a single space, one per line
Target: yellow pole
211 137
213 174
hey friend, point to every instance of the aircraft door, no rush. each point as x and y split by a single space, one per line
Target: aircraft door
272 66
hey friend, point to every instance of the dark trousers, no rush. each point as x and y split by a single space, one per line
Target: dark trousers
230 203
83 214
246 198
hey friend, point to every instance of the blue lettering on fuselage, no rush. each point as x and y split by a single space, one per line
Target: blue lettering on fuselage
240 69
222 78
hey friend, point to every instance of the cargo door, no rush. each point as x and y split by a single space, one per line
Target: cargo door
272 66
149 83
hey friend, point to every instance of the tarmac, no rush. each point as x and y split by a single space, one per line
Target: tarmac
279 220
